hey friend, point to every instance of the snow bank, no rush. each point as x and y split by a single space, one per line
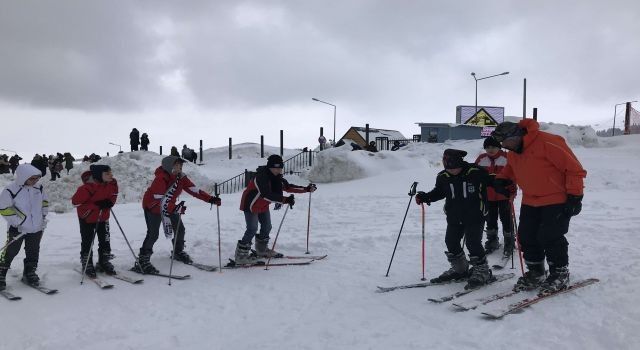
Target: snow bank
575 135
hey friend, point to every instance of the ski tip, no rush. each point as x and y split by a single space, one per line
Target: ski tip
491 316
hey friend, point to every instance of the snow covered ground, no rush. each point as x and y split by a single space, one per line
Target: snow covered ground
331 304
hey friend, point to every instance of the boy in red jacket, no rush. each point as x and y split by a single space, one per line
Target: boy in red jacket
93 201
266 187
159 204
494 160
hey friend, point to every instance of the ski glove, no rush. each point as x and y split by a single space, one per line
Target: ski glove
311 188
215 200
180 208
573 205
422 197
505 187
104 204
289 200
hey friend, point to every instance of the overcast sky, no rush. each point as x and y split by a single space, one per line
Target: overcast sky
76 75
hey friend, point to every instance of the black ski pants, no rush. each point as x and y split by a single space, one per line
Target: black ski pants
87 234
471 230
154 221
31 248
501 209
542 234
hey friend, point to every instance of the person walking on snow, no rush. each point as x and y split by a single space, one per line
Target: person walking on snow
494 161
265 188
159 205
93 201
551 179
24 205
464 186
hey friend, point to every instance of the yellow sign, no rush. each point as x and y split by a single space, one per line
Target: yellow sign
482 118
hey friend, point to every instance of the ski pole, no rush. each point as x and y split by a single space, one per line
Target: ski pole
423 278
95 232
308 222
175 240
219 240
515 224
273 247
412 192
15 239
125 238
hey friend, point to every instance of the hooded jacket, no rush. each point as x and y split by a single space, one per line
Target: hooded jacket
91 192
24 207
546 170
264 189
156 194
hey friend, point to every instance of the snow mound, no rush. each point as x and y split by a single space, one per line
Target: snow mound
575 135
134 172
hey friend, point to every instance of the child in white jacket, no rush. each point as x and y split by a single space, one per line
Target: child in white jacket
24 205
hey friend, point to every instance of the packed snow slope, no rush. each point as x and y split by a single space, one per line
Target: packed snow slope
331 304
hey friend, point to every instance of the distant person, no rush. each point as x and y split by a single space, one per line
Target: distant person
68 161
93 201
134 139
552 183
322 141
174 151
160 209
144 142
397 145
40 163
371 147
25 207
355 147
5 166
186 153
14 161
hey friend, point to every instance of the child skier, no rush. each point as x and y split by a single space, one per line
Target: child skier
464 186
552 182
493 160
266 187
24 205
159 205
93 201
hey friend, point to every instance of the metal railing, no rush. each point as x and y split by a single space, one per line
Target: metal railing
293 165
385 144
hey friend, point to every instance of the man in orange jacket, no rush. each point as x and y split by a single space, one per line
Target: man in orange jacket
551 179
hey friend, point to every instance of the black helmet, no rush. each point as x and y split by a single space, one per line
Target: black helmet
491 142
505 130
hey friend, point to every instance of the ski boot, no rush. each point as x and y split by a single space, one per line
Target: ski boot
144 263
480 272
531 279
509 245
243 255
182 256
29 275
492 242
557 280
459 268
263 251
104 265
3 277
90 270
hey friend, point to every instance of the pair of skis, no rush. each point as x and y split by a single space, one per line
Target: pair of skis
10 296
308 260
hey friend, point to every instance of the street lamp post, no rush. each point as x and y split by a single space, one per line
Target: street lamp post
476 79
334 116
613 130
115 144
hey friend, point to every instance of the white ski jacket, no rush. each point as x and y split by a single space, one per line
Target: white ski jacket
24 207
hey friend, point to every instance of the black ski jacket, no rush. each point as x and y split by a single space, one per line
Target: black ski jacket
466 193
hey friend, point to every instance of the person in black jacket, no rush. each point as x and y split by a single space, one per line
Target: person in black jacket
464 186
144 142
134 138
14 161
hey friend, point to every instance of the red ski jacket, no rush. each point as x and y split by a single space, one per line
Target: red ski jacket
264 189
494 165
157 192
546 170
91 192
